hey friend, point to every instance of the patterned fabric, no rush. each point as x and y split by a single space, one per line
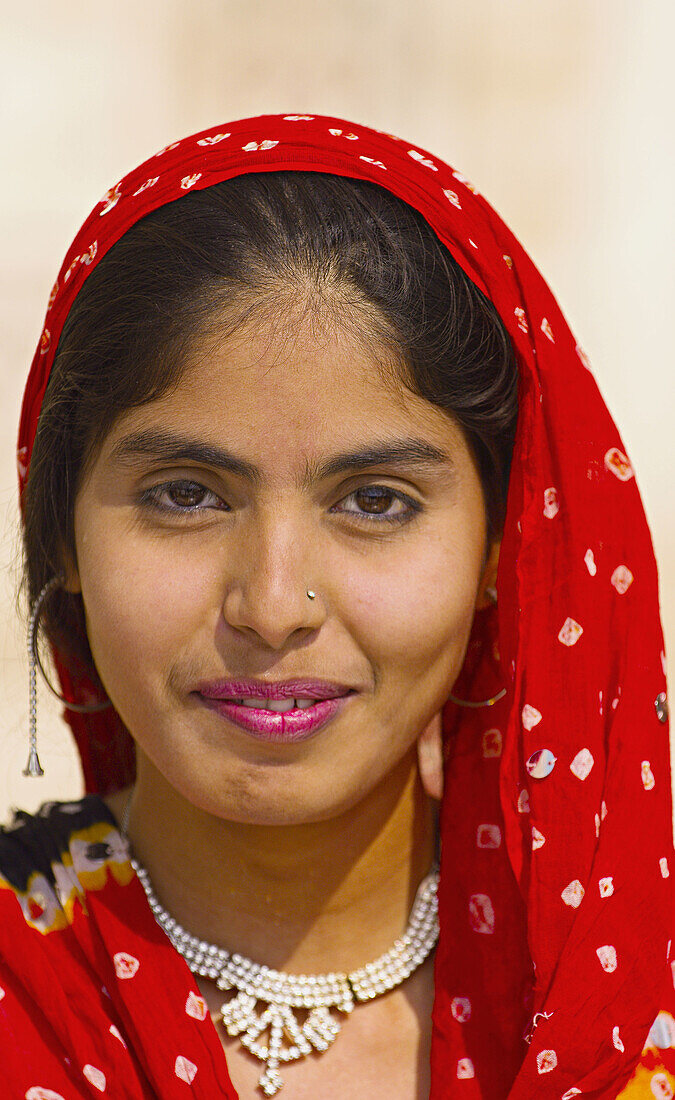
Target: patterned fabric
555 898
114 1028
93 998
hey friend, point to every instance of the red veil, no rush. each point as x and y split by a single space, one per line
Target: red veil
555 898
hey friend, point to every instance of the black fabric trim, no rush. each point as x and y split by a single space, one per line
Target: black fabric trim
32 842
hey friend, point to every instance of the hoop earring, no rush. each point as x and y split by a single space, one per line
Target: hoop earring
491 593
484 703
33 766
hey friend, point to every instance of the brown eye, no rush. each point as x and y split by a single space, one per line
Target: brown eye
375 501
379 503
186 494
181 497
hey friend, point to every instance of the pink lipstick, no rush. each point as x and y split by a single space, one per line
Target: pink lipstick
305 706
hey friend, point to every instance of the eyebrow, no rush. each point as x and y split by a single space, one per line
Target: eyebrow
164 446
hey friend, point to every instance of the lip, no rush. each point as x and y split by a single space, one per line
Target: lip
308 688
272 726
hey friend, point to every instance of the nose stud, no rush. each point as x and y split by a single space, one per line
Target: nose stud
311 595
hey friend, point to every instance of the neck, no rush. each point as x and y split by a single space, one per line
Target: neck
325 896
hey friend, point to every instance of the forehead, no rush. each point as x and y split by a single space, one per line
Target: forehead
296 384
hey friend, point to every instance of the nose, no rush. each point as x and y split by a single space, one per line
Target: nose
267 597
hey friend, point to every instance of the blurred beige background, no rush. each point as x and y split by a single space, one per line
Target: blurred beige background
561 112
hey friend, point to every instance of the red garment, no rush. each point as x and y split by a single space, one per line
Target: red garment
555 899
82 1011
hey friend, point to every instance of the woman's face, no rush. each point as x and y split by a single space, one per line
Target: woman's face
280 465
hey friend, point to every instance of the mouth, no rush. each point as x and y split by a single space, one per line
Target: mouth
279 706
305 688
281 713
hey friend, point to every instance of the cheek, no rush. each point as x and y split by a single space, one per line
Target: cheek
142 603
417 613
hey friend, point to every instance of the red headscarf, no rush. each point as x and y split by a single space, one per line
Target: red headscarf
555 900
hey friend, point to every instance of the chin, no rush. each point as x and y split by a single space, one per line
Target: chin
273 812
255 803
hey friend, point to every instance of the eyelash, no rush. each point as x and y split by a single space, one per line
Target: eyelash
150 498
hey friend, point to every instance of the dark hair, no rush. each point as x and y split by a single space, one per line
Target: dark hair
342 243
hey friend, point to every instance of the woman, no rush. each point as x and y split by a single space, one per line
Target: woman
288 372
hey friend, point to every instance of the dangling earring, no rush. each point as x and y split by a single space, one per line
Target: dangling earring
33 767
491 593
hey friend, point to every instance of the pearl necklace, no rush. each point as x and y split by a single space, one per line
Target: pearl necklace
289 1039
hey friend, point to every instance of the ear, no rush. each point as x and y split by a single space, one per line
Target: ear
488 582
430 757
